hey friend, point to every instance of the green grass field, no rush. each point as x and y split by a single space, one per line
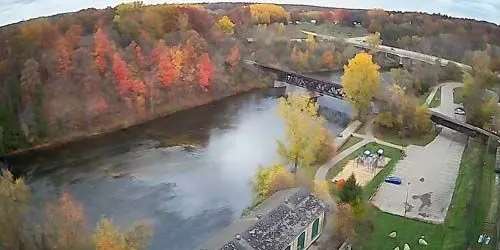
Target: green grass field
436 100
349 143
408 231
466 217
458 95
391 136
422 98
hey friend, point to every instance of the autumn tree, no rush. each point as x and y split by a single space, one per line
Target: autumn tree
30 82
110 237
403 114
131 88
205 70
328 60
101 49
64 225
352 191
270 180
402 78
374 41
306 135
361 80
31 118
14 199
225 25
234 56
268 13
345 224
63 51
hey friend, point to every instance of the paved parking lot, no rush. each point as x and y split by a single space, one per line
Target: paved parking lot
431 172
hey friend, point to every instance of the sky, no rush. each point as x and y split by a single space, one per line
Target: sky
12 11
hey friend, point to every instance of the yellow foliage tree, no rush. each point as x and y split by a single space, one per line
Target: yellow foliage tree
225 25
373 40
14 198
268 13
306 136
361 81
311 41
269 180
110 237
64 224
322 190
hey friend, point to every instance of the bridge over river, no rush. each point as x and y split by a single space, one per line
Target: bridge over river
336 90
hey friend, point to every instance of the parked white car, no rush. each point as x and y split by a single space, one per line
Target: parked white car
459 111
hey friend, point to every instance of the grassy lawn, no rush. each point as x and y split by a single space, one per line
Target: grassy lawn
293 31
466 217
350 142
408 231
391 136
458 95
423 97
308 172
436 100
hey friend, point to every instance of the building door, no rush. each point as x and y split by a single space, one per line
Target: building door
302 241
315 230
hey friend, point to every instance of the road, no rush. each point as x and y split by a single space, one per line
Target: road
447 106
360 43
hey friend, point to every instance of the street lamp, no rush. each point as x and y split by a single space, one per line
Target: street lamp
406 199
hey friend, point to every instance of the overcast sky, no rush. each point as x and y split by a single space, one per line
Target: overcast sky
489 10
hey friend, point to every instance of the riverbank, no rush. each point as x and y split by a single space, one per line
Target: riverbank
109 128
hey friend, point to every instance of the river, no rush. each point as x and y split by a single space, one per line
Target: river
187 174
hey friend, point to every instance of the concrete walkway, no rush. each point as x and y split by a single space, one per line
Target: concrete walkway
346 134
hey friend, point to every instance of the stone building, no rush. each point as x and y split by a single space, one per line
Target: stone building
290 219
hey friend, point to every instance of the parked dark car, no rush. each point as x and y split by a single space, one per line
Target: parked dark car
393 180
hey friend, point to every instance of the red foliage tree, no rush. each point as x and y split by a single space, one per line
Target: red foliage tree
342 16
205 70
64 56
127 83
234 56
161 56
101 49
199 19
140 56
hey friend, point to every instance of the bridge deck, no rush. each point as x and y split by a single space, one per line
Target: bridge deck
464 125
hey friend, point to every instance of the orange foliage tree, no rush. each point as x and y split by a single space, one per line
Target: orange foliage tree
168 70
64 224
234 56
64 57
101 48
328 60
126 81
205 70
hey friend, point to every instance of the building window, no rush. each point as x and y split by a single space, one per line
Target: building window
302 241
288 248
315 230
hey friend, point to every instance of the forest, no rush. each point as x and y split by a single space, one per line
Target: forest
84 73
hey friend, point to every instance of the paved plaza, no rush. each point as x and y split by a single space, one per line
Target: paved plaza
431 172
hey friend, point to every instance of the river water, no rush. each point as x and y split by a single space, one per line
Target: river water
187 174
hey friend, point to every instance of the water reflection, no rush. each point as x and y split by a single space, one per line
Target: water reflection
188 174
